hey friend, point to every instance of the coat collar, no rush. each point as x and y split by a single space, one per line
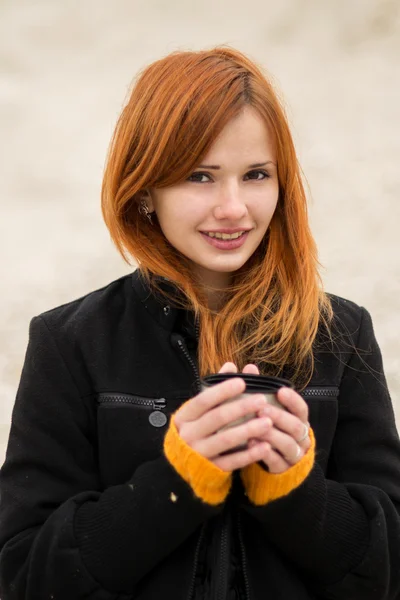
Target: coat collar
170 317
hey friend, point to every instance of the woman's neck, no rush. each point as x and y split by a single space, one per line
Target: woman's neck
214 286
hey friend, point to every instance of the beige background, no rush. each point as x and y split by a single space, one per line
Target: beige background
65 70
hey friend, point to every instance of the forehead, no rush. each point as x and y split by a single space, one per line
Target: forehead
245 137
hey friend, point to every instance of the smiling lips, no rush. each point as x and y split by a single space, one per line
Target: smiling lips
224 236
225 241
225 233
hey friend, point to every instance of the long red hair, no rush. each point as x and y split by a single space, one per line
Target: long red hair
175 112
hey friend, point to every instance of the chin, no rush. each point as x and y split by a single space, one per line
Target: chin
224 269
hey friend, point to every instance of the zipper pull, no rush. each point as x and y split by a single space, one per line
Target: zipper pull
177 341
158 418
159 403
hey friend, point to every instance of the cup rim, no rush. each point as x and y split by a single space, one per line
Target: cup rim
261 383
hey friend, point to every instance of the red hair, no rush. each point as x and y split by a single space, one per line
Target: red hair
175 112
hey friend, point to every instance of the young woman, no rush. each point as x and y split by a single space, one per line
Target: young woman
119 482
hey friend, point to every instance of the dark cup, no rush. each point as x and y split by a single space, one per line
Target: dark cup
255 384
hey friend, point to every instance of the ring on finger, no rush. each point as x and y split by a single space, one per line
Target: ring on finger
305 434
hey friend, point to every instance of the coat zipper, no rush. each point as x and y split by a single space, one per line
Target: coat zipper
154 403
224 562
157 417
320 391
182 347
196 559
244 559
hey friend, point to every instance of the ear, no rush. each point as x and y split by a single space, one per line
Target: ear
146 196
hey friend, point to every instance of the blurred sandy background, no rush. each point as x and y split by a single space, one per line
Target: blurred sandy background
65 70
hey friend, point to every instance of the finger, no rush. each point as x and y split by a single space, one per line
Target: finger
228 367
278 463
250 368
286 422
230 414
242 458
285 445
294 403
196 407
232 437
274 461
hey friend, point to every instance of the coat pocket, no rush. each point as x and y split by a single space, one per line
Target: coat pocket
131 431
323 415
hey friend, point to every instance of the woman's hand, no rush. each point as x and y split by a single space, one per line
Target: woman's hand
287 436
199 420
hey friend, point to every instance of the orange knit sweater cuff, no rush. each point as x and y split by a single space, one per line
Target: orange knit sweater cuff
209 483
263 487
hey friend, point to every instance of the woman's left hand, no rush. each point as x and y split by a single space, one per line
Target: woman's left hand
287 436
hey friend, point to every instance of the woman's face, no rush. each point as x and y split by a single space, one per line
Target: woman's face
234 188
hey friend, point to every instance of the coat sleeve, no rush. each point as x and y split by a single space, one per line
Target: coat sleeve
342 532
61 536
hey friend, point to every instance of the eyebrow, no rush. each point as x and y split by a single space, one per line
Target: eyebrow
255 166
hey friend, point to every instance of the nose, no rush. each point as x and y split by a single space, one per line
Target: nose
230 205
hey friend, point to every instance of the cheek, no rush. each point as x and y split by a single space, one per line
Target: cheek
266 206
180 214
168 210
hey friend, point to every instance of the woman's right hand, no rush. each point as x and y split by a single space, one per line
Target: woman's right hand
199 420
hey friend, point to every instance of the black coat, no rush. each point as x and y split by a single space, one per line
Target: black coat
91 508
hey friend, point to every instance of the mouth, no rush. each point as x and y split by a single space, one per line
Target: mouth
225 241
224 236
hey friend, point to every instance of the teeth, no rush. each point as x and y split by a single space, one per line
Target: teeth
226 236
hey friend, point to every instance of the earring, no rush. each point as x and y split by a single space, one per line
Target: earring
144 210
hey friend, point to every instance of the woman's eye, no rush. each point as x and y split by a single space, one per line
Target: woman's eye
199 177
257 175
